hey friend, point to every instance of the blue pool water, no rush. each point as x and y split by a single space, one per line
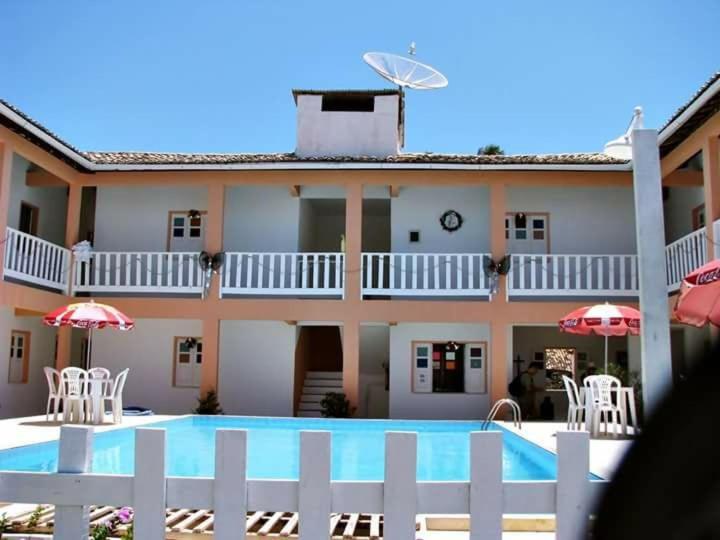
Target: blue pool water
273 449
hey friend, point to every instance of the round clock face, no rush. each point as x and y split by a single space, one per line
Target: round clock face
451 221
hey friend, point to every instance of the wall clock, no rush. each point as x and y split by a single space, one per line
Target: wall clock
451 221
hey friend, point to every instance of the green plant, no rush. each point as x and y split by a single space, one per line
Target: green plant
208 404
35 517
3 525
334 405
129 533
100 532
491 150
616 370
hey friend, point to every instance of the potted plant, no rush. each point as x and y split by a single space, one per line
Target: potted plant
208 404
334 405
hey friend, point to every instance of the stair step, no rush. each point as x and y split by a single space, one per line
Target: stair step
309 407
322 382
312 398
313 375
321 390
310 414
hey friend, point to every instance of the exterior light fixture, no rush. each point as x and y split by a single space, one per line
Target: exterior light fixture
452 346
193 213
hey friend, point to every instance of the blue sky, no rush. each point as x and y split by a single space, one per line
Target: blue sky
216 75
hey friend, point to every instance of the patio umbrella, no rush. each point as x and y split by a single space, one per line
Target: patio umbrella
602 320
89 315
699 300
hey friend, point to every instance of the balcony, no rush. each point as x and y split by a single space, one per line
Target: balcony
572 276
284 274
685 255
32 260
424 274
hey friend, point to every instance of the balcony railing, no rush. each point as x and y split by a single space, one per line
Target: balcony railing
30 259
139 272
685 255
283 274
573 275
424 274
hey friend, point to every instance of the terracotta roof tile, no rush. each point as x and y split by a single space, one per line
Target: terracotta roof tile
154 158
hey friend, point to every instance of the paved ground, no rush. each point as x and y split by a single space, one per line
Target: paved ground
34 429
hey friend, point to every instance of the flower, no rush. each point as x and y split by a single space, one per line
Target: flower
125 515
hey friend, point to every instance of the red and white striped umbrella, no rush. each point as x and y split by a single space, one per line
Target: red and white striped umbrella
699 300
89 315
602 320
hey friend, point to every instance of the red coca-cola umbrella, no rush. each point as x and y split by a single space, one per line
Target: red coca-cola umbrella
89 315
602 320
699 300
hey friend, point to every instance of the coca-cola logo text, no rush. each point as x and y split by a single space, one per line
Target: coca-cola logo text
708 277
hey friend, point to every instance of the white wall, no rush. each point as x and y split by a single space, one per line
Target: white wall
257 363
50 201
592 220
147 350
347 133
406 404
678 208
420 208
374 351
263 219
136 218
30 398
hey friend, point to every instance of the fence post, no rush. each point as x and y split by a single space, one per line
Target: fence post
400 495
572 497
486 485
229 487
314 495
149 484
75 457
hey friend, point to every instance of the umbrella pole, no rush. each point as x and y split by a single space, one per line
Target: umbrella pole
89 348
606 354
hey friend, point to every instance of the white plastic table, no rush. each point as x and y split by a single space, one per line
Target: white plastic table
626 401
97 393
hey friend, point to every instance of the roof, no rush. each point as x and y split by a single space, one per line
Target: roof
155 158
32 130
676 130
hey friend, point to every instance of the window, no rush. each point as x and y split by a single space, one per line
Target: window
187 363
19 357
29 215
348 103
449 367
559 361
698 217
527 233
186 230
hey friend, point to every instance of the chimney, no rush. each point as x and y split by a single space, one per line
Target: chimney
349 123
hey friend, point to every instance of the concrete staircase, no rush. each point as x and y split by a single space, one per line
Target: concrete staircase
317 384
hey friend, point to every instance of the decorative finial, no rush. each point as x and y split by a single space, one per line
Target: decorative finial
411 51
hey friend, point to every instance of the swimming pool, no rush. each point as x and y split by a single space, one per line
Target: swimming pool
273 449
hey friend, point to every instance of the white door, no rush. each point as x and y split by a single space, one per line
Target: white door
475 368
527 233
187 233
188 362
18 349
422 367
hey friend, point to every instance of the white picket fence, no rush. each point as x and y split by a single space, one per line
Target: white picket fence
283 274
573 275
230 494
424 274
685 255
30 259
139 272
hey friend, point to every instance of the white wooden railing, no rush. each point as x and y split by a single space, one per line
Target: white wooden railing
685 255
230 494
424 274
283 274
573 275
30 259
139 272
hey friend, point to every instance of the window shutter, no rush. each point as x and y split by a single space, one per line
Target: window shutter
475 368
422 368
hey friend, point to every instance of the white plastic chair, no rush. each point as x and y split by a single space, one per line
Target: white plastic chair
602 389
115 398
576 408
73 386
54 392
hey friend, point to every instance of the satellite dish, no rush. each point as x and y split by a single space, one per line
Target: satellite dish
405 72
